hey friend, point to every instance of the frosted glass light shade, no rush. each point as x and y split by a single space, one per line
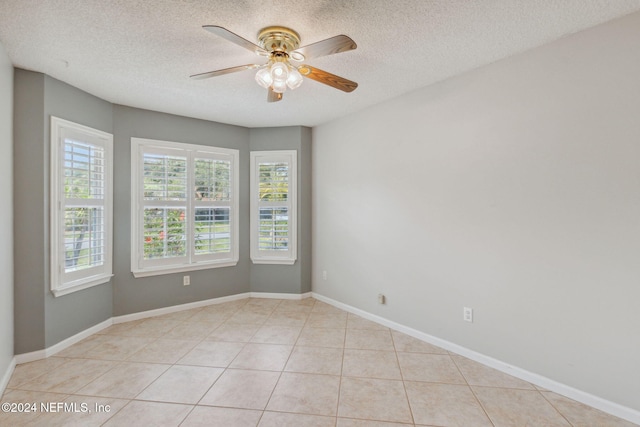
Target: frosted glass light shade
279 86
263 77
277 76
279 72
295 79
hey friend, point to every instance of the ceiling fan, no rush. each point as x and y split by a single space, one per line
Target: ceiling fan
280 45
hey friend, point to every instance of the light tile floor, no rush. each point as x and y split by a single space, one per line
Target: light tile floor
265 362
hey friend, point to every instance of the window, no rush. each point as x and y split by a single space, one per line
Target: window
81 206
273 207
184 213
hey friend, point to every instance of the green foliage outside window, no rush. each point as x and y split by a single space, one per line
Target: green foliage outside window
165 229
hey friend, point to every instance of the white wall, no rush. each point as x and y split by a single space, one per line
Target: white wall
6 216
513 189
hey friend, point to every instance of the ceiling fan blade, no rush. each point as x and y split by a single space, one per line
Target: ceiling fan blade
273 96
327 78
326 47
234 38
224 71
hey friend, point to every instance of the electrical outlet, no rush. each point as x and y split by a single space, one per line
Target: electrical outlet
467 314
186 280
324 274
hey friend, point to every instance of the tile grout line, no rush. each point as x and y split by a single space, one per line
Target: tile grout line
344 346
283 368
180 322
226 368
404 386
223 370
554 407
475 396
176 364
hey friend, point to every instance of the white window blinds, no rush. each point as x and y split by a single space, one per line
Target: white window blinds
184 211
164 219
84 197
212 220
81 206
273 207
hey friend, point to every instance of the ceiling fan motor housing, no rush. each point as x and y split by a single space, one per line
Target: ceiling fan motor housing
278 39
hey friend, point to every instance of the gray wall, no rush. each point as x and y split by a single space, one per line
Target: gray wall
134 295
40 319
294 278
513 190
6 213
29 207
75 312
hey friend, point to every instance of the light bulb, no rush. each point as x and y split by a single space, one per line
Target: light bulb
279 86
263 77
279 72
295 79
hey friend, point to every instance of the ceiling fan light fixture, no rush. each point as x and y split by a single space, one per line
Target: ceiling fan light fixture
282 45
278 76
263 77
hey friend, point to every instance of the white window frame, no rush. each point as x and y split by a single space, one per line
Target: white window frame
289 256
190 262
62 282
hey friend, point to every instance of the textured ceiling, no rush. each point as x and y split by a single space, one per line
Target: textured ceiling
141 52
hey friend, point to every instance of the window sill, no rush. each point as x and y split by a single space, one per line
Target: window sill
272 261
94 281
157 271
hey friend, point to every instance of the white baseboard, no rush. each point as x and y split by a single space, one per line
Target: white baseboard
583 397
204 303
280 296
176 308
7 375
50 351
